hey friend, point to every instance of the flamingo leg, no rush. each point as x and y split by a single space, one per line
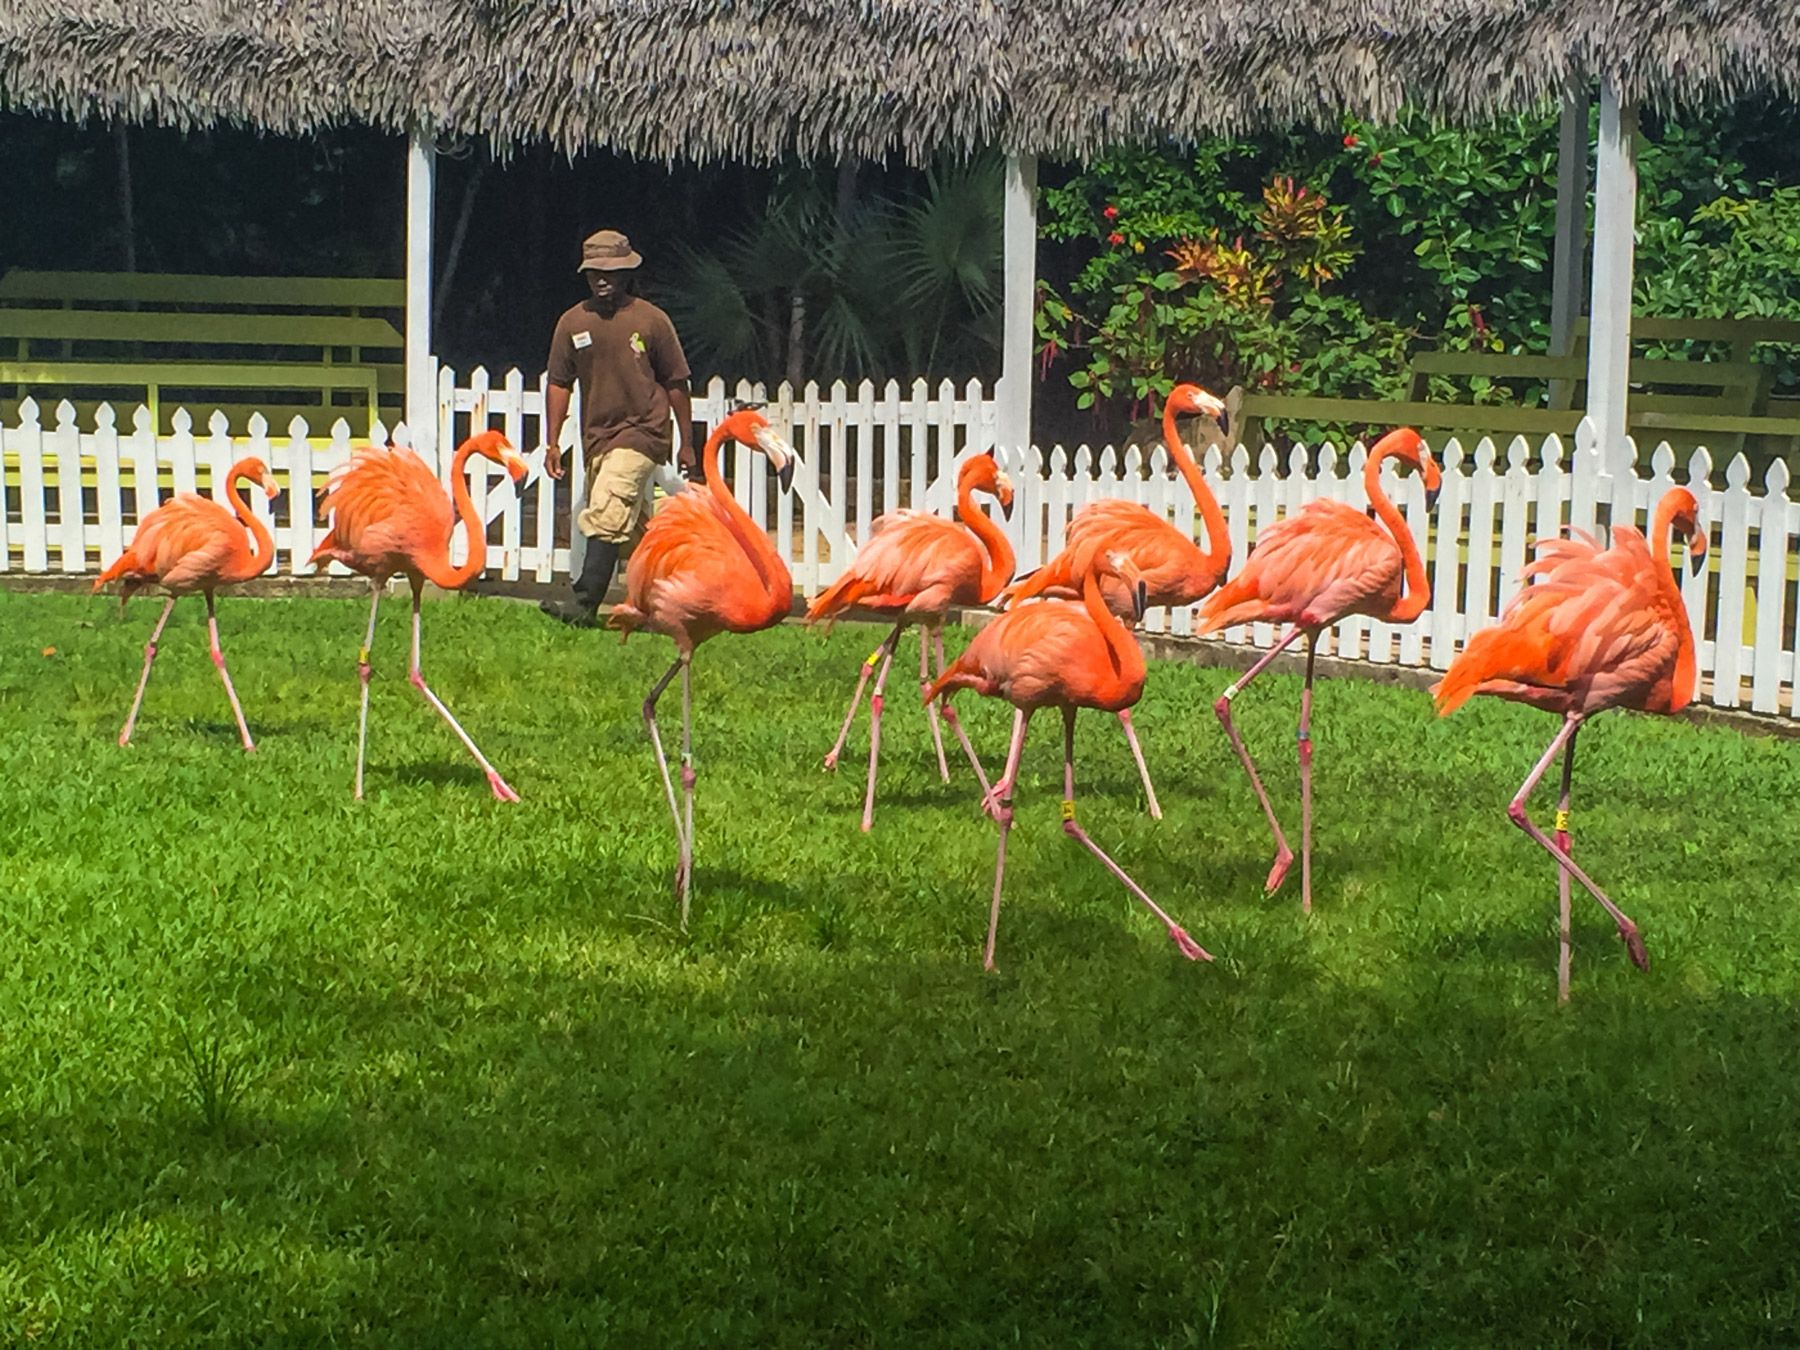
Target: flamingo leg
1564 955
1515 811
862 679
955 722
684 877
417 676
144 679
1284 856
362 674
931 712
662 764
1137 753
1004 815
218 660
875 700
1189 948
1304 737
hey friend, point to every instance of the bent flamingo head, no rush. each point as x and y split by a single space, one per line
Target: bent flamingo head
1188 400
494 445
258 472
1684 519
1407 446
1097 560
748 426
982 473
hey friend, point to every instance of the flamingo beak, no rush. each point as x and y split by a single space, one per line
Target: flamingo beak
270 488
780 454
1003 489
1140 600
1696 554
515 468
785 475
1431 497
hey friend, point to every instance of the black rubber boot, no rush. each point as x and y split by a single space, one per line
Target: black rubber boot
590 588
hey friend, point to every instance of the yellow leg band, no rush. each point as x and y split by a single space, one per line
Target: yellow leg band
1068 808
362 655
1562 821
874 657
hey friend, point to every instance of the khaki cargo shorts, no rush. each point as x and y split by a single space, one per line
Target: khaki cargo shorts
619 496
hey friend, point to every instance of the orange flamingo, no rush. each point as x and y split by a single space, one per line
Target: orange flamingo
390 515
1323 563
913 568
1063 655
191 543
1175 569
704 567
1594 629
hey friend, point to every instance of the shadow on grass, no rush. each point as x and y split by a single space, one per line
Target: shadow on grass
1098 1143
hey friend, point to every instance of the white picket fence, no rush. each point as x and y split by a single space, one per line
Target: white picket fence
72 496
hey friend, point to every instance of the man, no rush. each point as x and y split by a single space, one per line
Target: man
625 353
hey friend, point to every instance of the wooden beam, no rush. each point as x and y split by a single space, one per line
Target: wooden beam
1571 232
421 375
1018 303
1609 307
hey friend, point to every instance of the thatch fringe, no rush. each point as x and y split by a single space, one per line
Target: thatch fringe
755 80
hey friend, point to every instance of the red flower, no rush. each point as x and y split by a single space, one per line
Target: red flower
1375 159
1350 142
1115 238
1477 321
1111 213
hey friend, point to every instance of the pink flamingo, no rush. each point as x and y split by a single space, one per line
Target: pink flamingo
1323 563
1594 629
913 568
191 543
1059 654
704 567
391 516
1176 571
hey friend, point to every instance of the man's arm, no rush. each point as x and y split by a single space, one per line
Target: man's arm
556 412
681 403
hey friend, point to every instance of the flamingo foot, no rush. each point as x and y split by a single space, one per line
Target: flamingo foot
1278 872
1189 948
124 738
501 790
830 765
1634 945
987 963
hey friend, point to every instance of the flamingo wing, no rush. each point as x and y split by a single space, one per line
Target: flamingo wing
1168 560
1038 655
1313 567
187 540
912 560
386 500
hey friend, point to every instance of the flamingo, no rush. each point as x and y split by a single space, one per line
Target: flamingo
1067 655
390 515
1323 563
191 543
913 568
1175 569
704 567
1595 629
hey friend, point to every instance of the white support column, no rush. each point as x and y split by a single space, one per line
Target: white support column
1018 303
421 378
1571 233
1609 308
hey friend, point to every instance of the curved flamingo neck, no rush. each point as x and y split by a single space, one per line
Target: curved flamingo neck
437 568
1218 539
1417 593
1126 656
262 543
998 562
1660 524
743 529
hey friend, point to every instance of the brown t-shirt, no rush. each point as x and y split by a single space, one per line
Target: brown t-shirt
625 362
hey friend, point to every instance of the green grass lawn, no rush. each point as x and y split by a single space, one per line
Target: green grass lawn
277 1067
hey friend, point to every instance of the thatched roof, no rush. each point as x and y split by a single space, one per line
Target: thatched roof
664 79
754 79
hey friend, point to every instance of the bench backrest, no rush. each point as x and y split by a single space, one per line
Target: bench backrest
345 294
232 330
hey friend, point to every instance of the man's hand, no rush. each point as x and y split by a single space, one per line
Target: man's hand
553 464
688 461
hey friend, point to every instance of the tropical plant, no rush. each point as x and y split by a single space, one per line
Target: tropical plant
901 283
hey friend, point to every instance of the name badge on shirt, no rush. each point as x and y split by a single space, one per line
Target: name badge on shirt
584 339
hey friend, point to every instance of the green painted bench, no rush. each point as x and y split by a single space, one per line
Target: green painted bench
320 348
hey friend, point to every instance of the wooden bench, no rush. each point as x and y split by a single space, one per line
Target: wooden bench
320 348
